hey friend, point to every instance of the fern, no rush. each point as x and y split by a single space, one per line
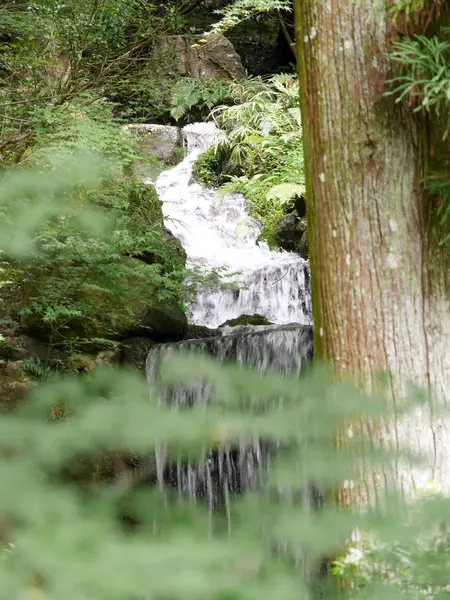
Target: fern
284 192
88 509
241 10
439 185
423 80
259 147
36 367
192 95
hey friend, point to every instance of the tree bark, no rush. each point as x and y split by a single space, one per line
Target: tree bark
380 282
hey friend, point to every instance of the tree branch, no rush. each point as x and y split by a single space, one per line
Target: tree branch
188 8
286 34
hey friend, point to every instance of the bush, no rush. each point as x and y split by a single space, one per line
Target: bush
82 280
192 98
209 171
259 148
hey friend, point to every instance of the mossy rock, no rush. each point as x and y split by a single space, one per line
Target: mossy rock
162 142
134 352
210 171
86 363
166 322
15 385
16 346
247 320
196 332
110 318
290 234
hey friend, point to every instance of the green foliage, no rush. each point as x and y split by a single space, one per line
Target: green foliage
84 237
240 10
193 99
82 453
439 186
62 540
423 80
406 562
35 366
259 147
409 8
208 170
53 52
425 72
146 99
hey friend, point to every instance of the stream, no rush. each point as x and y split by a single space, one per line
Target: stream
218 232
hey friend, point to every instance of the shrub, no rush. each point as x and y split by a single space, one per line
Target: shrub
81 281
209 171
259 148
192 98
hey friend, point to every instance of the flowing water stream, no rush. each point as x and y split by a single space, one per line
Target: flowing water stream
218 232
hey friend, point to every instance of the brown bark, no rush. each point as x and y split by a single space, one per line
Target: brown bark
380 283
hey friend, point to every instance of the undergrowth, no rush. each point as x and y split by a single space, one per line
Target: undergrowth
84 279
258 150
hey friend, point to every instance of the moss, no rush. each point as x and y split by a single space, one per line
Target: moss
247 320
209 171
199 331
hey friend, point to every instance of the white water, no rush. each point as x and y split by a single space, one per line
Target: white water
217 232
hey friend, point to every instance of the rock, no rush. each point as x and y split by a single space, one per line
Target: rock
166 322
246 320
170 240
134 352
216 59
164 142
113 320
15 384
18 346
88 362
297 205
291 235
195 332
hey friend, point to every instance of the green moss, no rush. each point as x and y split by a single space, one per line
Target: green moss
209 170
247 320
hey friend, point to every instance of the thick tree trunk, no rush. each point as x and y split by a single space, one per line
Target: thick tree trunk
380 282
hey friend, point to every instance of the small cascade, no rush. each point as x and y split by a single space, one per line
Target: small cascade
283 349
217 232
229 470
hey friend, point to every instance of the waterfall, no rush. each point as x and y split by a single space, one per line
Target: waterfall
217 232
285 349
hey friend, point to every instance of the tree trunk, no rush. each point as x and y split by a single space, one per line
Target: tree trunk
380 283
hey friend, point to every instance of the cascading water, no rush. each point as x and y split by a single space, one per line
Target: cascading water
216 233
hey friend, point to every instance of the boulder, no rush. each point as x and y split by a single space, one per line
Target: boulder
171 241
112 319
166 322
86 363
291 235
217 59
16 346
134 352
15 385
246 320
195 332
297 205
163 142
